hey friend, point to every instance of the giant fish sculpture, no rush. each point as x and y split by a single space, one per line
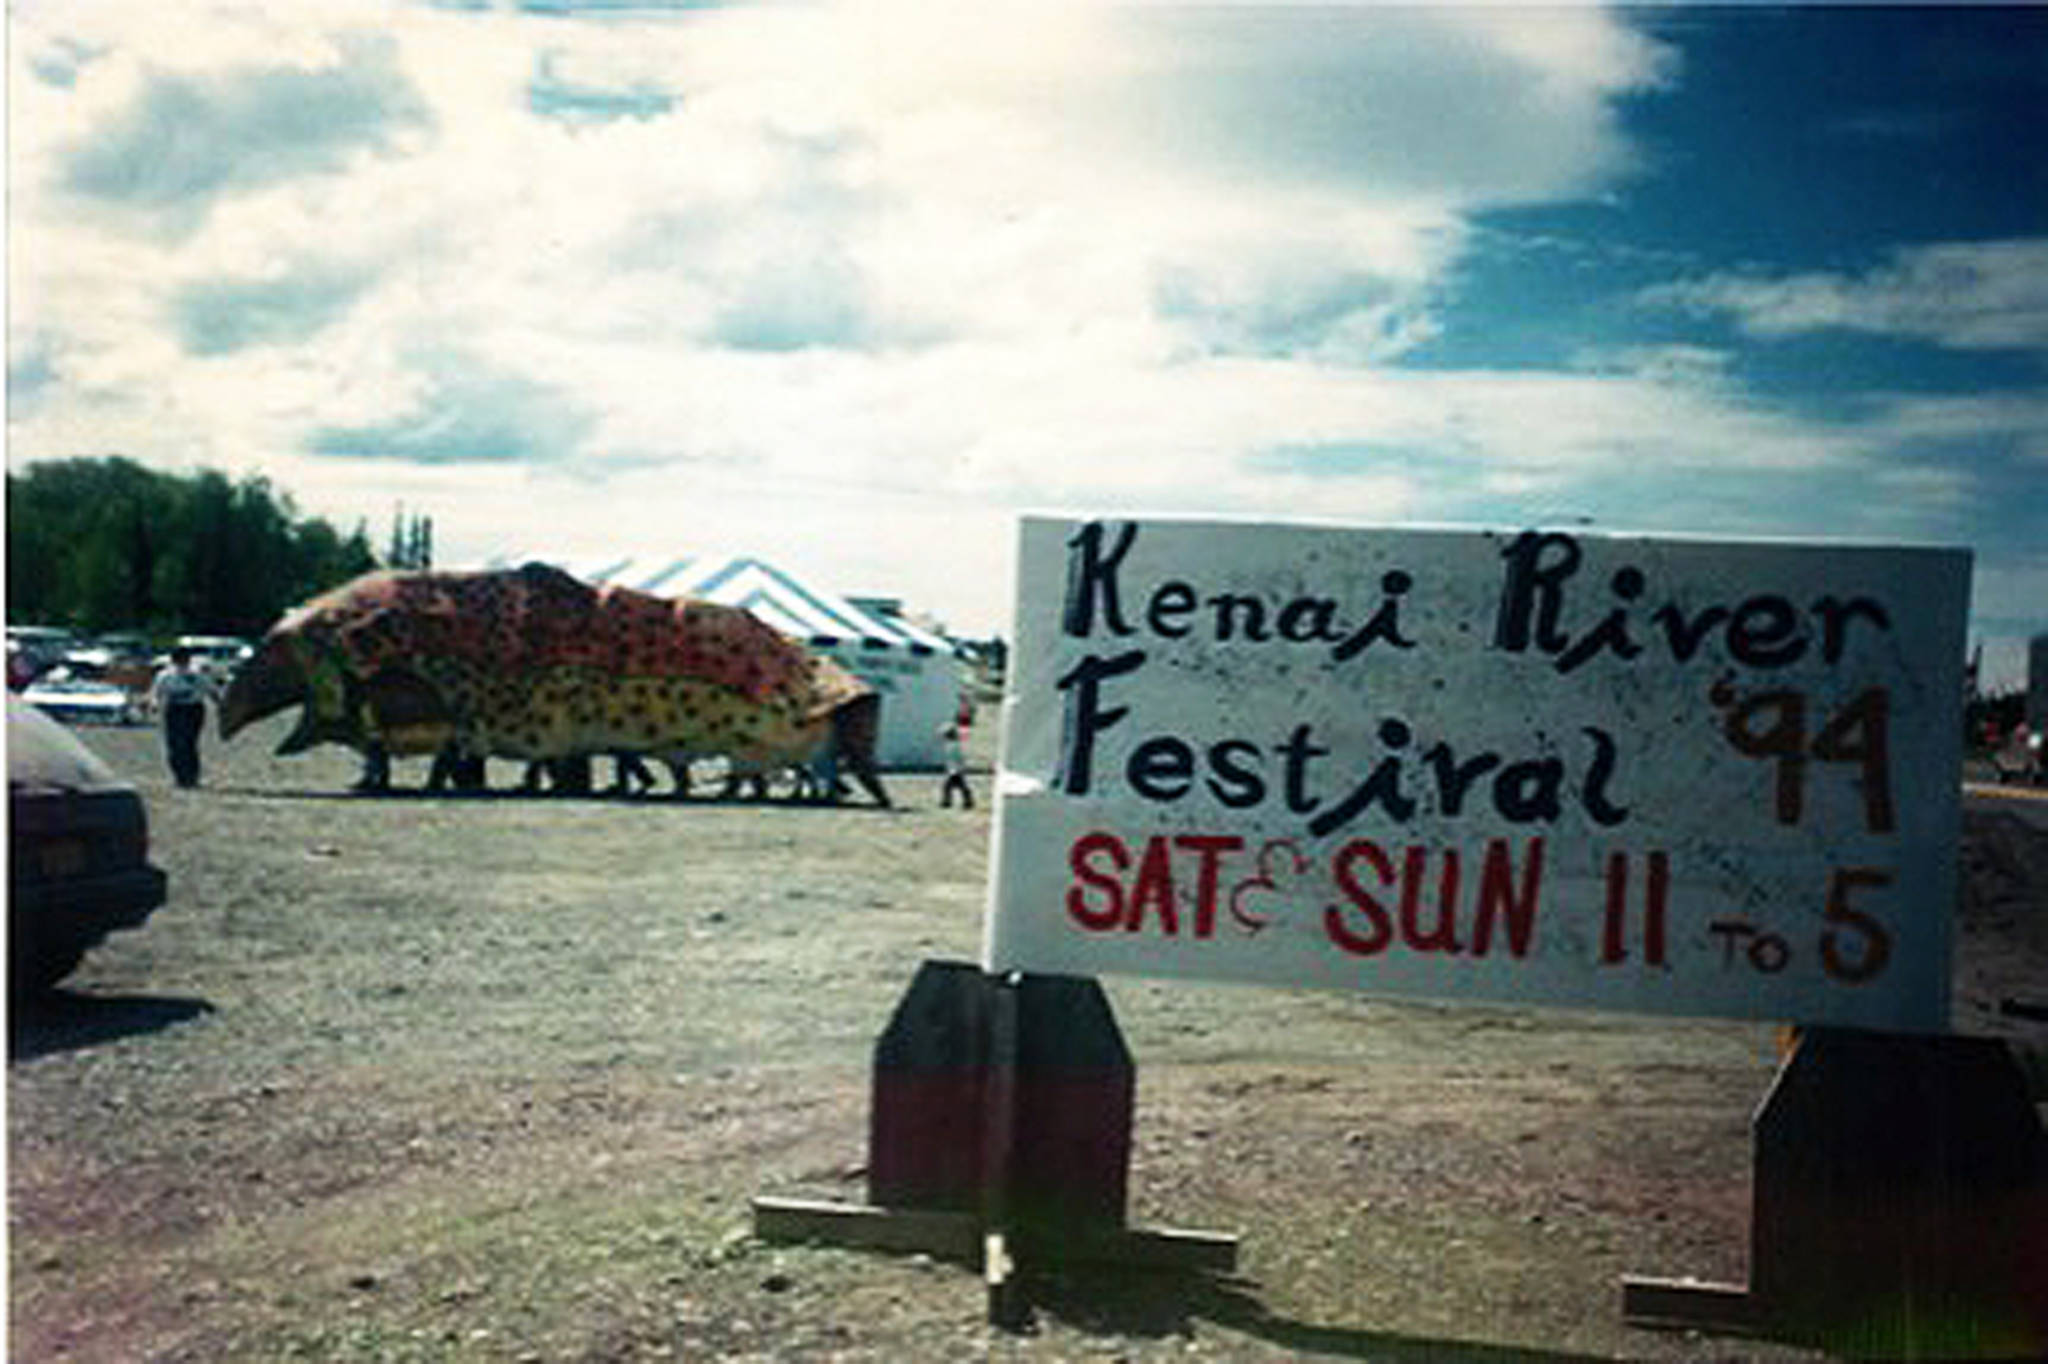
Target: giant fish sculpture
531 663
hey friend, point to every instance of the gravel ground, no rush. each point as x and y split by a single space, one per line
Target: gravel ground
496 1079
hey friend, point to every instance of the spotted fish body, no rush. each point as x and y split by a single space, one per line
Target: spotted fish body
534 664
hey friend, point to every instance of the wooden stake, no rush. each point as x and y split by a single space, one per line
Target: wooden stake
1007 1309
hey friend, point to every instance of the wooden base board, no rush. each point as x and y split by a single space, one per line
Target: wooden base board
960 1236
1689 1304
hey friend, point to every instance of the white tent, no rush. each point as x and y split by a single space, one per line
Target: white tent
914 670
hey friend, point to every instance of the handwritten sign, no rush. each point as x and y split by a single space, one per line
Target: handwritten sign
1653 775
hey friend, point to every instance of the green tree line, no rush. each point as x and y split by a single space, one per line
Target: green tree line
105 544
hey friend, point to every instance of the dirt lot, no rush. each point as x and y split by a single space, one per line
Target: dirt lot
496 1078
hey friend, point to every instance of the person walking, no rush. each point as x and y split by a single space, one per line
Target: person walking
956 770
179 695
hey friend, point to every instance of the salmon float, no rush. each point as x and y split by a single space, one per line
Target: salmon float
531 663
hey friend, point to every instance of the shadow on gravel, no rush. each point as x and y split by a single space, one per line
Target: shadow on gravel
1156 1305
62 1021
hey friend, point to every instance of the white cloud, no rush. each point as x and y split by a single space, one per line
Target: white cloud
2018 421
1961 295
361 185
851 281
1682 364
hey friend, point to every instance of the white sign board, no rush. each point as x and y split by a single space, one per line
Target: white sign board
1653 775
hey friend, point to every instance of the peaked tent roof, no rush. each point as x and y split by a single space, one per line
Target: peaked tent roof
780 600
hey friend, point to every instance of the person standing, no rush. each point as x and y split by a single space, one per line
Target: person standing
376 775
956 770
179 695
633 776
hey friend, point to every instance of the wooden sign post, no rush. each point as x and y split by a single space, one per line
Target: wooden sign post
1000 1134
1899 1206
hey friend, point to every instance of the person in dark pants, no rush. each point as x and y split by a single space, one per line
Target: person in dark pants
179 695
956 769
634 778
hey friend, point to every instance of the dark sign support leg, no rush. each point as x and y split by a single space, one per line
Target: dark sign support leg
999 1129
1007 1308
1899 1206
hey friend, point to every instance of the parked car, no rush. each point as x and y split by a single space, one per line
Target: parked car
65 693
216 654
78 863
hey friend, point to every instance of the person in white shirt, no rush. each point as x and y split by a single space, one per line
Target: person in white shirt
179 695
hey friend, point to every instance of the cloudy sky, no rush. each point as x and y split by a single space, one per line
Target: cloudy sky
848 285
